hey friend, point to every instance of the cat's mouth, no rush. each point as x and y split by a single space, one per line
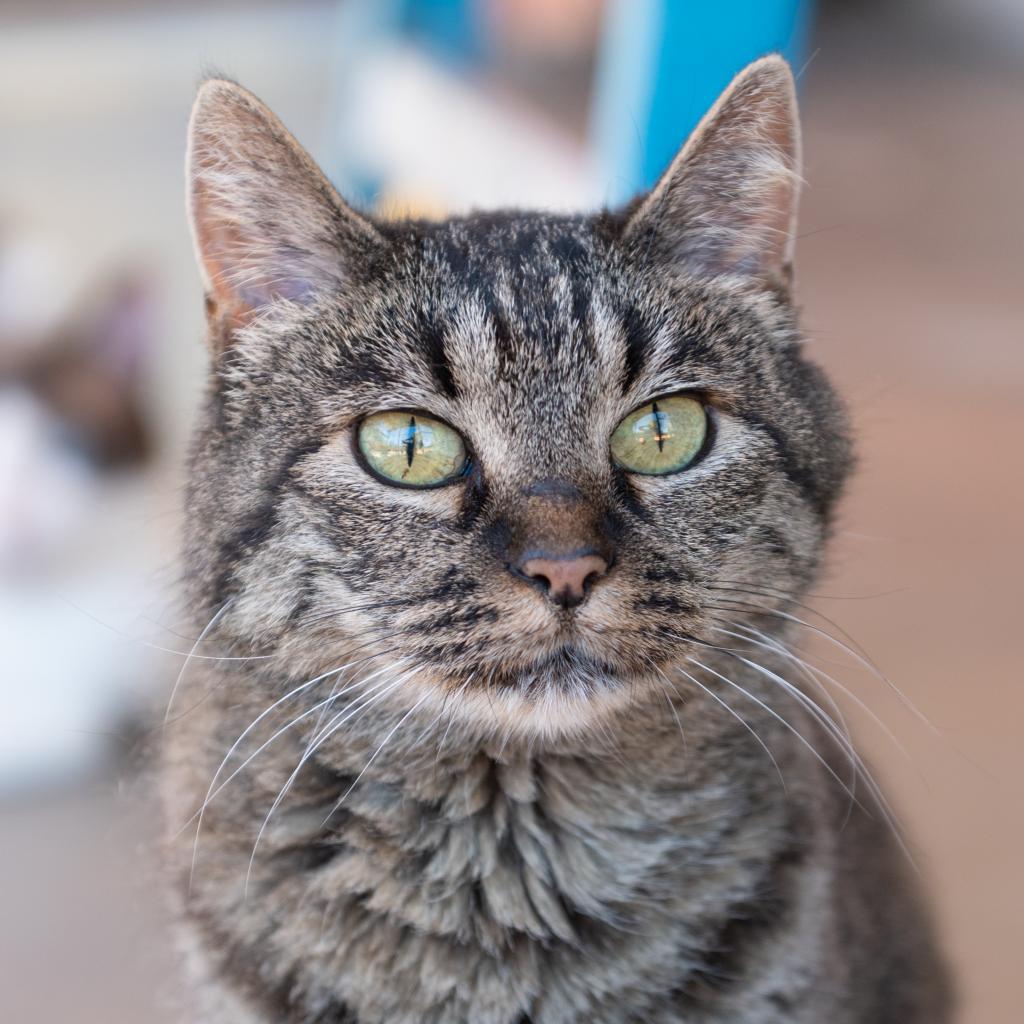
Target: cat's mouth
567 668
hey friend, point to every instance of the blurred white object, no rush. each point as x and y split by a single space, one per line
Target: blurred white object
46 487
61 694
421 129
76 661
36 286
70 594
71 446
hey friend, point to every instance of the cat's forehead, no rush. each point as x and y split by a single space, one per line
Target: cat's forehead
534 333
517 242
518 306
543 316
505 328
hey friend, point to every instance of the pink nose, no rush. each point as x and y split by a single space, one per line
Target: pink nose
567 579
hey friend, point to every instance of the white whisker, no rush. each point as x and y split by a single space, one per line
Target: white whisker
195 647
451 716
852 649
329 730
776 646
212 792
739 718
814 674
373 757
668 700
891 819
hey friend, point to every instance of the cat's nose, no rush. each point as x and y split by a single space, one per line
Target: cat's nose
566 578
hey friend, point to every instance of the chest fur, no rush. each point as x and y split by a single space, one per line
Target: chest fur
487 888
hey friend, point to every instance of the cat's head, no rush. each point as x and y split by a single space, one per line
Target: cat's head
520 462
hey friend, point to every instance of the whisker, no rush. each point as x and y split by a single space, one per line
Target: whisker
209 693
451 715
842 732
323 713
892 819
784 722
852 649
217 615
192 654
888 814
373 757
742 586
430 726
327 613
772 644
679 723
212 792
335 724
739 718
668 700
814 673
291 724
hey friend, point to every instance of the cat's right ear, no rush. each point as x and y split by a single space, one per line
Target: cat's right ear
266 222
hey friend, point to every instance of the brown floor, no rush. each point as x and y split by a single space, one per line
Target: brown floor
912 271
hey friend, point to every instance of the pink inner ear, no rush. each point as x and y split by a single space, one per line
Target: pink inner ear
757 227
245 275
221 245
268 225
248 271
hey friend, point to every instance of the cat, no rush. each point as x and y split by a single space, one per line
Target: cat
496 527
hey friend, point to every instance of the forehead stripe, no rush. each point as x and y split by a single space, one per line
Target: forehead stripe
432 340
637 340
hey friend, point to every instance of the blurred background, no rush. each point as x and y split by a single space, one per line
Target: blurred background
910 270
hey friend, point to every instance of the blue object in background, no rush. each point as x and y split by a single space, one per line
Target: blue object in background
661 65
450 27
447 29
664 62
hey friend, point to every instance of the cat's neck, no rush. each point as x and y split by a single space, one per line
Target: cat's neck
541 833
638 846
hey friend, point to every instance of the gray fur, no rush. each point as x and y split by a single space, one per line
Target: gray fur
516 812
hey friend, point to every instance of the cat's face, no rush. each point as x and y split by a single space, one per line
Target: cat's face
529 457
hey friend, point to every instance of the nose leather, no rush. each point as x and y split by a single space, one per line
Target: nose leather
567 579
558 540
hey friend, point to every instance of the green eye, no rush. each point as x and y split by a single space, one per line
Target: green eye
664 436
411 449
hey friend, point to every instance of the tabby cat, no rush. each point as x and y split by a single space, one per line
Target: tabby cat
496 527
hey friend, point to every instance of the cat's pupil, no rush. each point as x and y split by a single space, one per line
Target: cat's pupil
661 424
410 441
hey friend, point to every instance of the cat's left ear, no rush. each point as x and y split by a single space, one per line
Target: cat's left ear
727 203
267 224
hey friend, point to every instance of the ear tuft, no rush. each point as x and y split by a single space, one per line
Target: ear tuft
727 203
266 222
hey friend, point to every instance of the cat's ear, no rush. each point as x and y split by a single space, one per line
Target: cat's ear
267 224
727 203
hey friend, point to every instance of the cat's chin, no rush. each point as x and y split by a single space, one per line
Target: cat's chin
564 693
